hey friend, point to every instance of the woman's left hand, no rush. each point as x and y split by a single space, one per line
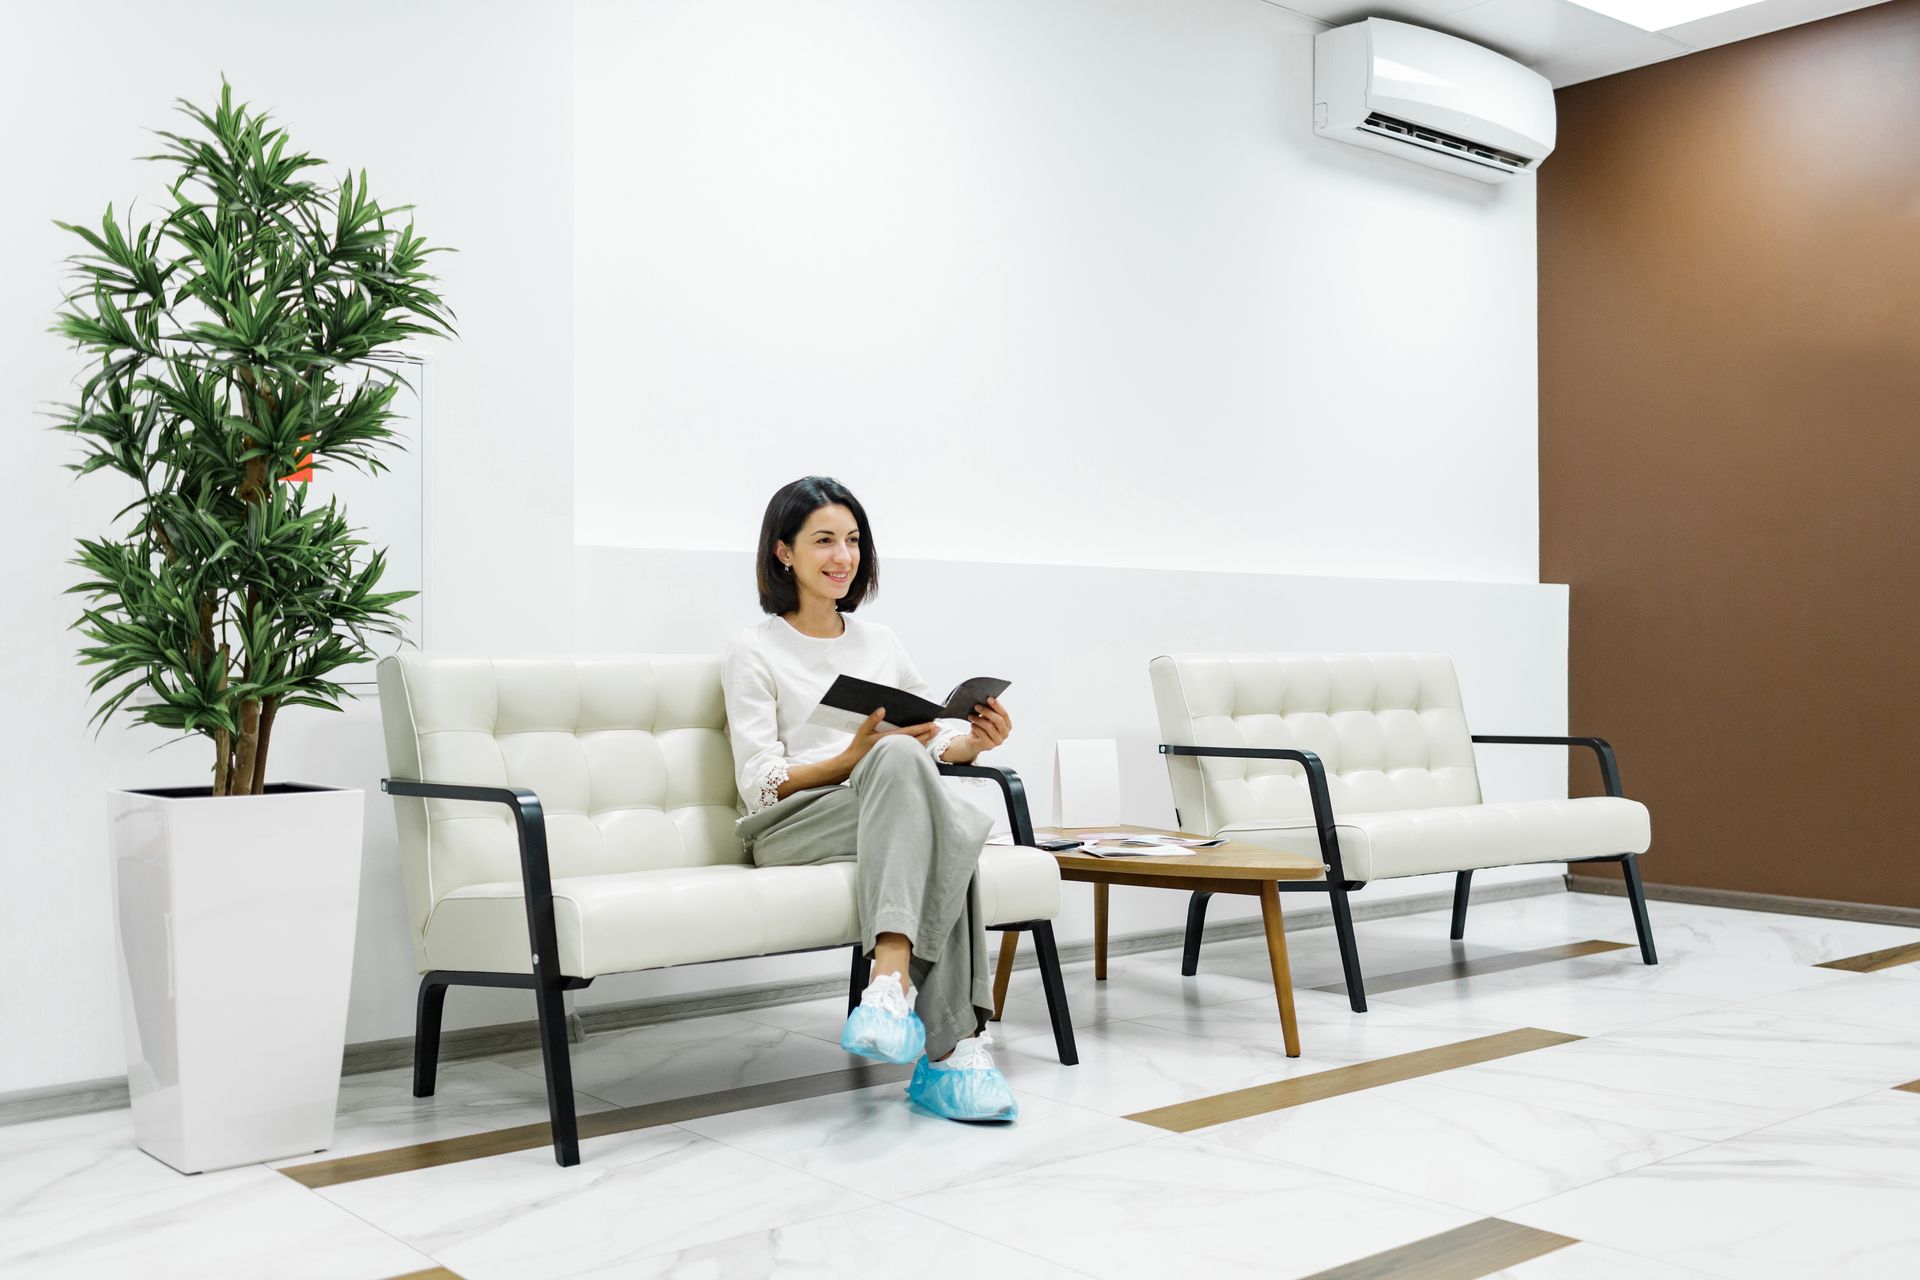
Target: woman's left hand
991 727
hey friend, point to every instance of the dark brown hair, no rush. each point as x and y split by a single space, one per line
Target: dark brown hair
787 513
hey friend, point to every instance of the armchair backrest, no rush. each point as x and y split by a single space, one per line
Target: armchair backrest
628 755
1388 727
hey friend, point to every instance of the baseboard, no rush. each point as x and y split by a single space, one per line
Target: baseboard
513 1037
1742 900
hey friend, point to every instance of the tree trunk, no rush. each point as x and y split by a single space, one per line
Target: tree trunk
267 711
249 748
222 743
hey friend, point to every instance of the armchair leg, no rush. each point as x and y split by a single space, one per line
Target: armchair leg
1462 886
1196 925
1056 989
426 1034
862 975
1637 896
1349 949
559 1070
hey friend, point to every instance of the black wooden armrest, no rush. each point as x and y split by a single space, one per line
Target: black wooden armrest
530 825
1316 790
1011 788
1601 748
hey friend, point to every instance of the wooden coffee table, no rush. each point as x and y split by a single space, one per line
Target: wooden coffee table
1233 867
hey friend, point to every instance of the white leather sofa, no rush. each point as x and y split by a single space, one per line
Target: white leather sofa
562 819
1365 761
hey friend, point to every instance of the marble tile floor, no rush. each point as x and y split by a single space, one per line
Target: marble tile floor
1732 1113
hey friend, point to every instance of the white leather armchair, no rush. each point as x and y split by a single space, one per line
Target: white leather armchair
562 819
1365 761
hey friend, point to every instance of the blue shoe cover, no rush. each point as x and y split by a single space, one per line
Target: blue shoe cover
872 1032
974 1093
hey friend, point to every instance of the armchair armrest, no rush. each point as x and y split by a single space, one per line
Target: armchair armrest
530 826
1316 790
1011 788
1601 748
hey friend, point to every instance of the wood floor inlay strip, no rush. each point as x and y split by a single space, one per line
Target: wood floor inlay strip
1464 1253
1912 1086
478 1146
1482 964
1874 961
1202 1113
431 1273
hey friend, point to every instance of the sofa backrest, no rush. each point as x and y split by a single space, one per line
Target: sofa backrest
628 754
1388 727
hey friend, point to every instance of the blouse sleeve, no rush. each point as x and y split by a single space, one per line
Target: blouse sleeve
910 679
753 726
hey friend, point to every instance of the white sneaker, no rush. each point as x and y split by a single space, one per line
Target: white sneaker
972 1054
886 993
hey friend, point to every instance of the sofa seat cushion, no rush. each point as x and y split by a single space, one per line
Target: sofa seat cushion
631 920
1411 842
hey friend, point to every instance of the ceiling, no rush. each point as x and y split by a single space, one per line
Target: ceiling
1568 44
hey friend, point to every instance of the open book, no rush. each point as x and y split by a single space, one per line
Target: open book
851 700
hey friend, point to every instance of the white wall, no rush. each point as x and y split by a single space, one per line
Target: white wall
1059 282
467 109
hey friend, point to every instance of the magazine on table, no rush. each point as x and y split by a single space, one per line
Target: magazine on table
1140 844
850 700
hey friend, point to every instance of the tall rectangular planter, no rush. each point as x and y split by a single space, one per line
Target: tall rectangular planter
236 922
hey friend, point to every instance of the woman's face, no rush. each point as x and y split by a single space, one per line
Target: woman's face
825 554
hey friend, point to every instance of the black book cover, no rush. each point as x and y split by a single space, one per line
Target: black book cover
850 700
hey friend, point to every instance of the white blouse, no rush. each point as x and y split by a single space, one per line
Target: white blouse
774 676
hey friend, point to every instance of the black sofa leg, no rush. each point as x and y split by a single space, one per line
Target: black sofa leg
1056 989
1637 895
1462 887
1349 950
553 1052
426 1034
862 975
1196 925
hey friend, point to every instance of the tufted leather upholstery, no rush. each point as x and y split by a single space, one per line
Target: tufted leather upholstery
1393 737
630 760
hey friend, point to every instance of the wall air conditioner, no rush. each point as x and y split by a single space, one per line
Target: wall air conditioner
1431 98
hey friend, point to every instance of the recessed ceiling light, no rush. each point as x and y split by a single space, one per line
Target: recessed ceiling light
1658 15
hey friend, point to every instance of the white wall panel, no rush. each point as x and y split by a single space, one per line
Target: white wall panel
1068 283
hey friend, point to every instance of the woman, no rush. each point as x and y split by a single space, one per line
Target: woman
818 795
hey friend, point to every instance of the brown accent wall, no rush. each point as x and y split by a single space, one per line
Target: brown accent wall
1730 450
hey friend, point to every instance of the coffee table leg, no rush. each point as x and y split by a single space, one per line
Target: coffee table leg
1100 933
1277 957
1009 943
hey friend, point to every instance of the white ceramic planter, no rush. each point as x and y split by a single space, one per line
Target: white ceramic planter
236 920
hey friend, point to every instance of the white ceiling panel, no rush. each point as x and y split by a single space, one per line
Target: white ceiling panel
1758 19
1531 30
1590 62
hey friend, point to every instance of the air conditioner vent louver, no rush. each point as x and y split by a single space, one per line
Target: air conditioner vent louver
1420 135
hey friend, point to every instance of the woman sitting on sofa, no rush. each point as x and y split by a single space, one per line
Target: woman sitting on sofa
815 794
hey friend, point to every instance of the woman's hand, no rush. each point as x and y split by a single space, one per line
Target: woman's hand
868 736
991 727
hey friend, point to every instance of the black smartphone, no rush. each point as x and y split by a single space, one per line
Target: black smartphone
1056 844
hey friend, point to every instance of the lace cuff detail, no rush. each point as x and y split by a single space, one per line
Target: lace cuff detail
944 739
769 792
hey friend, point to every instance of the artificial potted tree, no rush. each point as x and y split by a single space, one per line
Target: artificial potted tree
242 341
